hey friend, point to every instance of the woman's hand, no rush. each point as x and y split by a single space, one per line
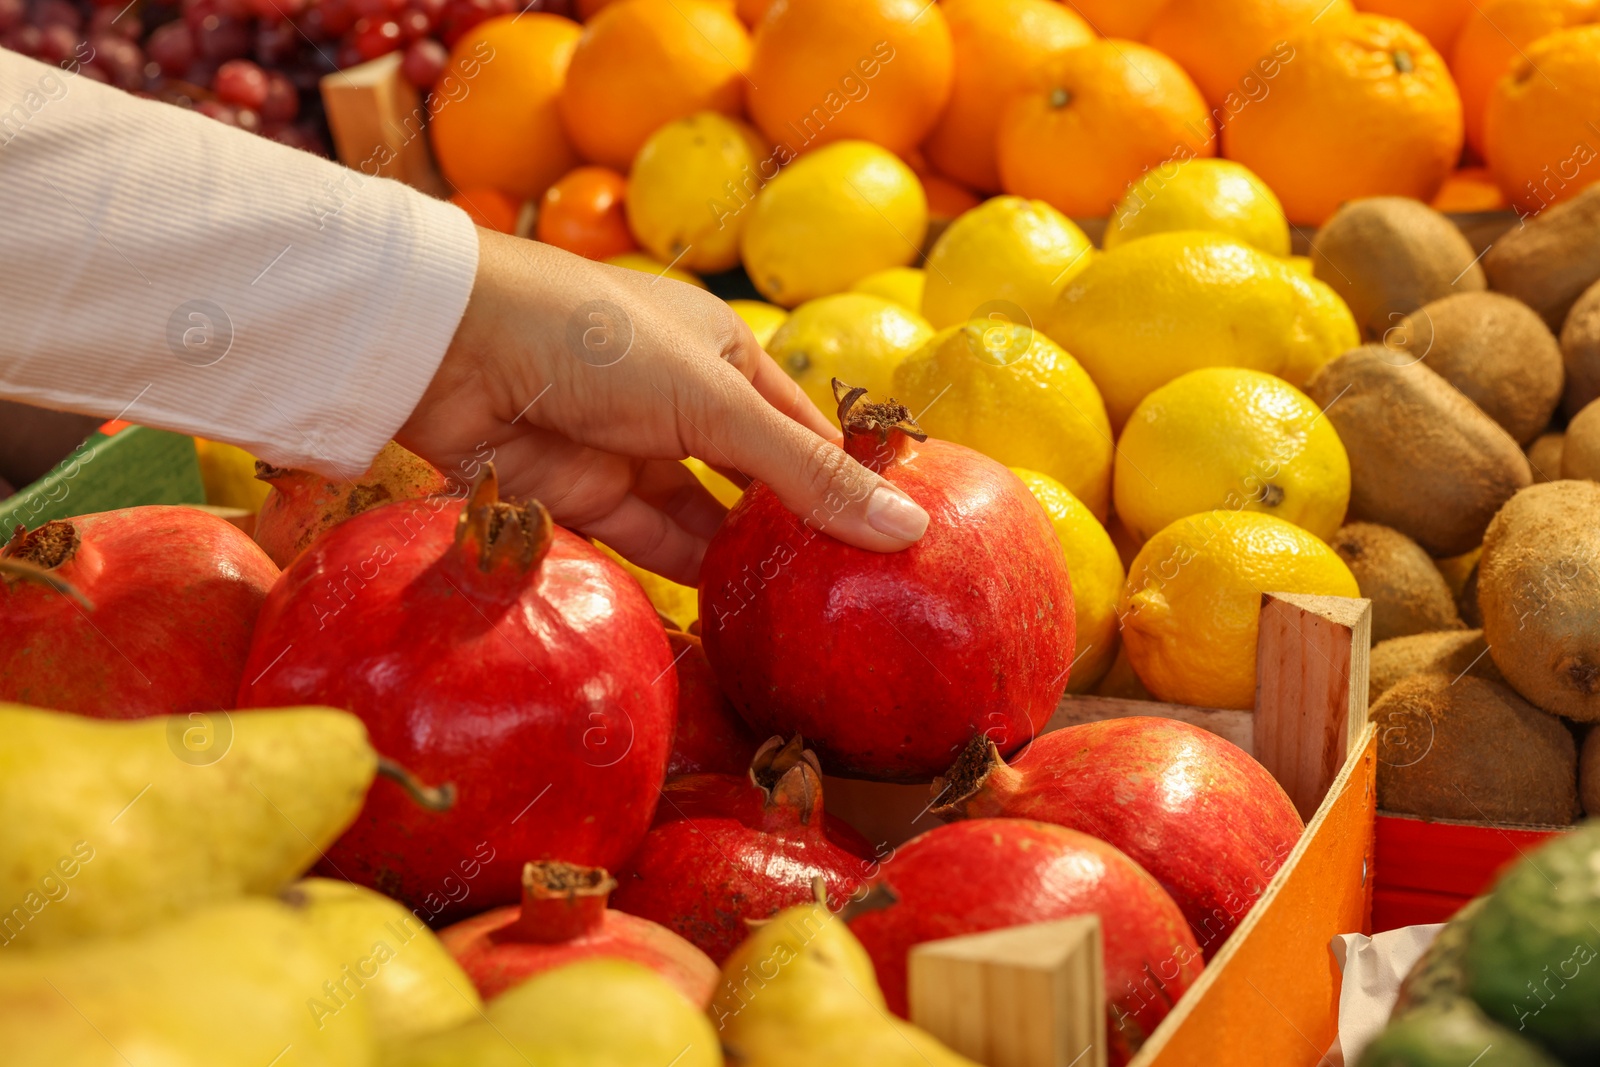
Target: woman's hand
591 382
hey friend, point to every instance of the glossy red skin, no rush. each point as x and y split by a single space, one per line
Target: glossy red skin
711 737
889 663
984 874
719 855
176 593
1203 818
520 689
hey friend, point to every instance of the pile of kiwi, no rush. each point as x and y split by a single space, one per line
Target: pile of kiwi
1472 420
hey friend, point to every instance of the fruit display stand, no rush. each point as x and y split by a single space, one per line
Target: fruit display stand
1270 995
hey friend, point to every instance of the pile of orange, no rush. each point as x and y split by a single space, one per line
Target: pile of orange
1472 104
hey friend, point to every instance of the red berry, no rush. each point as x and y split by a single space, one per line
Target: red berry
336 16
423 63
172 48
283 101
276 44
26 40
414 25
117 22
216 109
376 38
221 39
58 44
56 13
241 82
12 13
120 58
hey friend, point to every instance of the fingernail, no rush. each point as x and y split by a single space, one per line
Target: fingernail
895 515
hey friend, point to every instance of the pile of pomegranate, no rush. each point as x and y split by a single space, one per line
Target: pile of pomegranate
605 786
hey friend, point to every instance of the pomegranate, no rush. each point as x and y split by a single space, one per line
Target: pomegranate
563 918
1204 819
711 738
889 663
303 505
173 591
488 649
725 849
983 874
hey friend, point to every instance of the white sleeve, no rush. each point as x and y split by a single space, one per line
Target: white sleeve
159 266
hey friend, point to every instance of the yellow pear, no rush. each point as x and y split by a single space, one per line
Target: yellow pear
225 987
111 827
596 1013
387 957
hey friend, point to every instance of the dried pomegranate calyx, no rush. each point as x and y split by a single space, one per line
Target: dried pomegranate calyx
47 548
858 416
493 531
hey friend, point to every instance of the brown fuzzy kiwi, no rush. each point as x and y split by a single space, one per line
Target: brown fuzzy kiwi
1544 456
1549 260
1495 350
1408 594
1539 590
1580 453
1424 459
1451 652
1580 352
1467 601
1466 748
1589 773
1387 256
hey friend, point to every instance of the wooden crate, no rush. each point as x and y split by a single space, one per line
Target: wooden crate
1426 869
119 466
1270 995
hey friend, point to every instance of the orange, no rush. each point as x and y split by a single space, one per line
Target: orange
1542 130
834 70
998 44
1221 54
1117 18
1440 21
750 12
588 9
1094 118
1469 190
1364 108
1495 35
489 208
583 213
642 63
946 198
504 131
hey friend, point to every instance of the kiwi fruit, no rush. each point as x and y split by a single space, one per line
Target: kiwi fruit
1467 601
1408 594
1424 459
1589 774
1451 652
1387 256
1539 591
1550 259
1544 456
1495 350
1580 453
1466 748
1580 352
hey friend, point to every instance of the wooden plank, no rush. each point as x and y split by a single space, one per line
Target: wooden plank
1235 726
885 813
131 466
1307 711
1024 996
378 123
1426 869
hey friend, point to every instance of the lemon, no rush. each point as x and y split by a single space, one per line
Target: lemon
1215 195
831 218
1004 256
680 603
1192 603
1014 395
640 262
726 492
1142 314
229 475
903 285
1232 439
689 188
1096 574
856 338
1299 264
762 318
1327 328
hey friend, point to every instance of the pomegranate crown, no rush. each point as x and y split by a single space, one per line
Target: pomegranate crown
858 416
493 532
788 773
33 556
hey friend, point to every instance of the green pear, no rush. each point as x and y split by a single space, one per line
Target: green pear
226 987
387 956
595 1013
800 990
112 827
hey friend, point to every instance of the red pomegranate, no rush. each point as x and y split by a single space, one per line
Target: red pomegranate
1204 819
889 663
563 918
485 648
725 849
711 738
303 505
983 874
174 594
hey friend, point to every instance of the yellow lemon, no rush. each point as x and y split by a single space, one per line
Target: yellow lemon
762 318
1191 606
1299 264
680 603
689 188
856 338
1326 327
1142 314
831 218
1014 395
1230 439
1005 256
640 262
903 285
229 475
1096 573
726 492
1215 195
